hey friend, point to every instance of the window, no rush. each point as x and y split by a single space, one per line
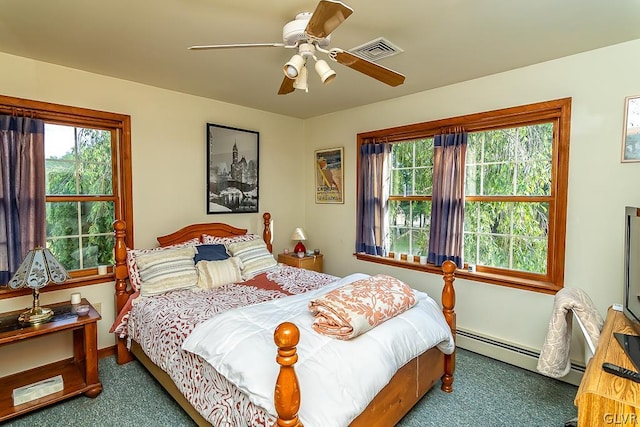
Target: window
516 177
508 174
88 184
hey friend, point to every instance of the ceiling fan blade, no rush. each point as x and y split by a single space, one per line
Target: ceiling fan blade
286 86
369 68
329 14
236 45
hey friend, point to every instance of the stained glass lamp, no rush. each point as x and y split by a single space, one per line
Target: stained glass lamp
38 269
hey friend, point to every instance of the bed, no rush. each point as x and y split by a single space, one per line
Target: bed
205 394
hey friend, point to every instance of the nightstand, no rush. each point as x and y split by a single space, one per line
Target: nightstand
313 262
79 374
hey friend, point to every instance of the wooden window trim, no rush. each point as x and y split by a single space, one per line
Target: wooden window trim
77 116
558 111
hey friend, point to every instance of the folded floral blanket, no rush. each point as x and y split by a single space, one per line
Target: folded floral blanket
353 309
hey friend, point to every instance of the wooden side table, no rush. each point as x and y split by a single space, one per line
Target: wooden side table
313 262
79 374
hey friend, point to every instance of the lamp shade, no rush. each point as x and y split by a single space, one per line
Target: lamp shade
301 80
325 72
292 68
298 234
38 269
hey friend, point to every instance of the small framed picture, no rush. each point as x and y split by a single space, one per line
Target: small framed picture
631 131
232 170
329 175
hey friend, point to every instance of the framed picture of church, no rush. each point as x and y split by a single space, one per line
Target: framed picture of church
329 175
232 170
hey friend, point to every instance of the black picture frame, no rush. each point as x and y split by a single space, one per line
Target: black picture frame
232 170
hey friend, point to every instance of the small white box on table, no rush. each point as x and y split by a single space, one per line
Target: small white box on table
37 390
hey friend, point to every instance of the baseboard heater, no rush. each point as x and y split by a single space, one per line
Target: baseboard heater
505 348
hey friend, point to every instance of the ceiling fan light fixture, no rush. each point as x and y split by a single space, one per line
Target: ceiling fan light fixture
293 66
309 33
324 71
301 80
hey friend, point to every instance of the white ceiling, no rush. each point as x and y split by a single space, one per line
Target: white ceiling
444 42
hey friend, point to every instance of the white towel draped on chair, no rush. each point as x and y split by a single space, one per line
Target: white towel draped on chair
554 358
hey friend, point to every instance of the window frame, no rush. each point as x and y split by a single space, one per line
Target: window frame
120 127
556 111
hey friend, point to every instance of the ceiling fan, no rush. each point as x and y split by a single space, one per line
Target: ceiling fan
310 33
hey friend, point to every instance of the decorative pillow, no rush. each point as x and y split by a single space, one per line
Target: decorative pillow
213 274
168 270
353 309
211 253
132 266
254 255
208 239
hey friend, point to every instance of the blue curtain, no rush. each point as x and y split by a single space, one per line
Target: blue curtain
447 204
22 190
373 191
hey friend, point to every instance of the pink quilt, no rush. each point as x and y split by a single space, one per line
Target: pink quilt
353 309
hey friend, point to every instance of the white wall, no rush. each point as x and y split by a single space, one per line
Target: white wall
600 186
168 134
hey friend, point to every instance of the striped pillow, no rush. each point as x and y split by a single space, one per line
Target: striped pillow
167 270
132 266
254 255
213 274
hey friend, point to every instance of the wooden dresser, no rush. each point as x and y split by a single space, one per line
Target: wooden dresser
603 398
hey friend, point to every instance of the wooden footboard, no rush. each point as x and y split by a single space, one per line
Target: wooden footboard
404 389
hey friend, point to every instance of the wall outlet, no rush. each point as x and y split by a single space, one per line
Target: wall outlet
98 307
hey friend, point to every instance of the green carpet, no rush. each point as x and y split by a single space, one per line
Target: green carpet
486 393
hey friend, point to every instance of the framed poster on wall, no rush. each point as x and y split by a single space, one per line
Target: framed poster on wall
232 170
329 175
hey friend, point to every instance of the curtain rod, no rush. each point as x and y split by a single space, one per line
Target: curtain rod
70 117
19 111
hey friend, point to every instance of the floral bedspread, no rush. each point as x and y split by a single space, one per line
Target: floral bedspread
161 323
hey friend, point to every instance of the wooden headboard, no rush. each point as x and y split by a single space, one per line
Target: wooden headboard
217 229
197 230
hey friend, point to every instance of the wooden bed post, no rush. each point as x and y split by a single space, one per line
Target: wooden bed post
448 302
287 392
266 233
122 294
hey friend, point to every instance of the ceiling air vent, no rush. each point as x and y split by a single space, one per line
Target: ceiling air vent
377 49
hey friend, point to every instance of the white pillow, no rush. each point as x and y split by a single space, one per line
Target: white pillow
213 274
167 270
254 255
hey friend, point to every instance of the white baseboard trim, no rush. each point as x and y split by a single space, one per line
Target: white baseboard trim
510 353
